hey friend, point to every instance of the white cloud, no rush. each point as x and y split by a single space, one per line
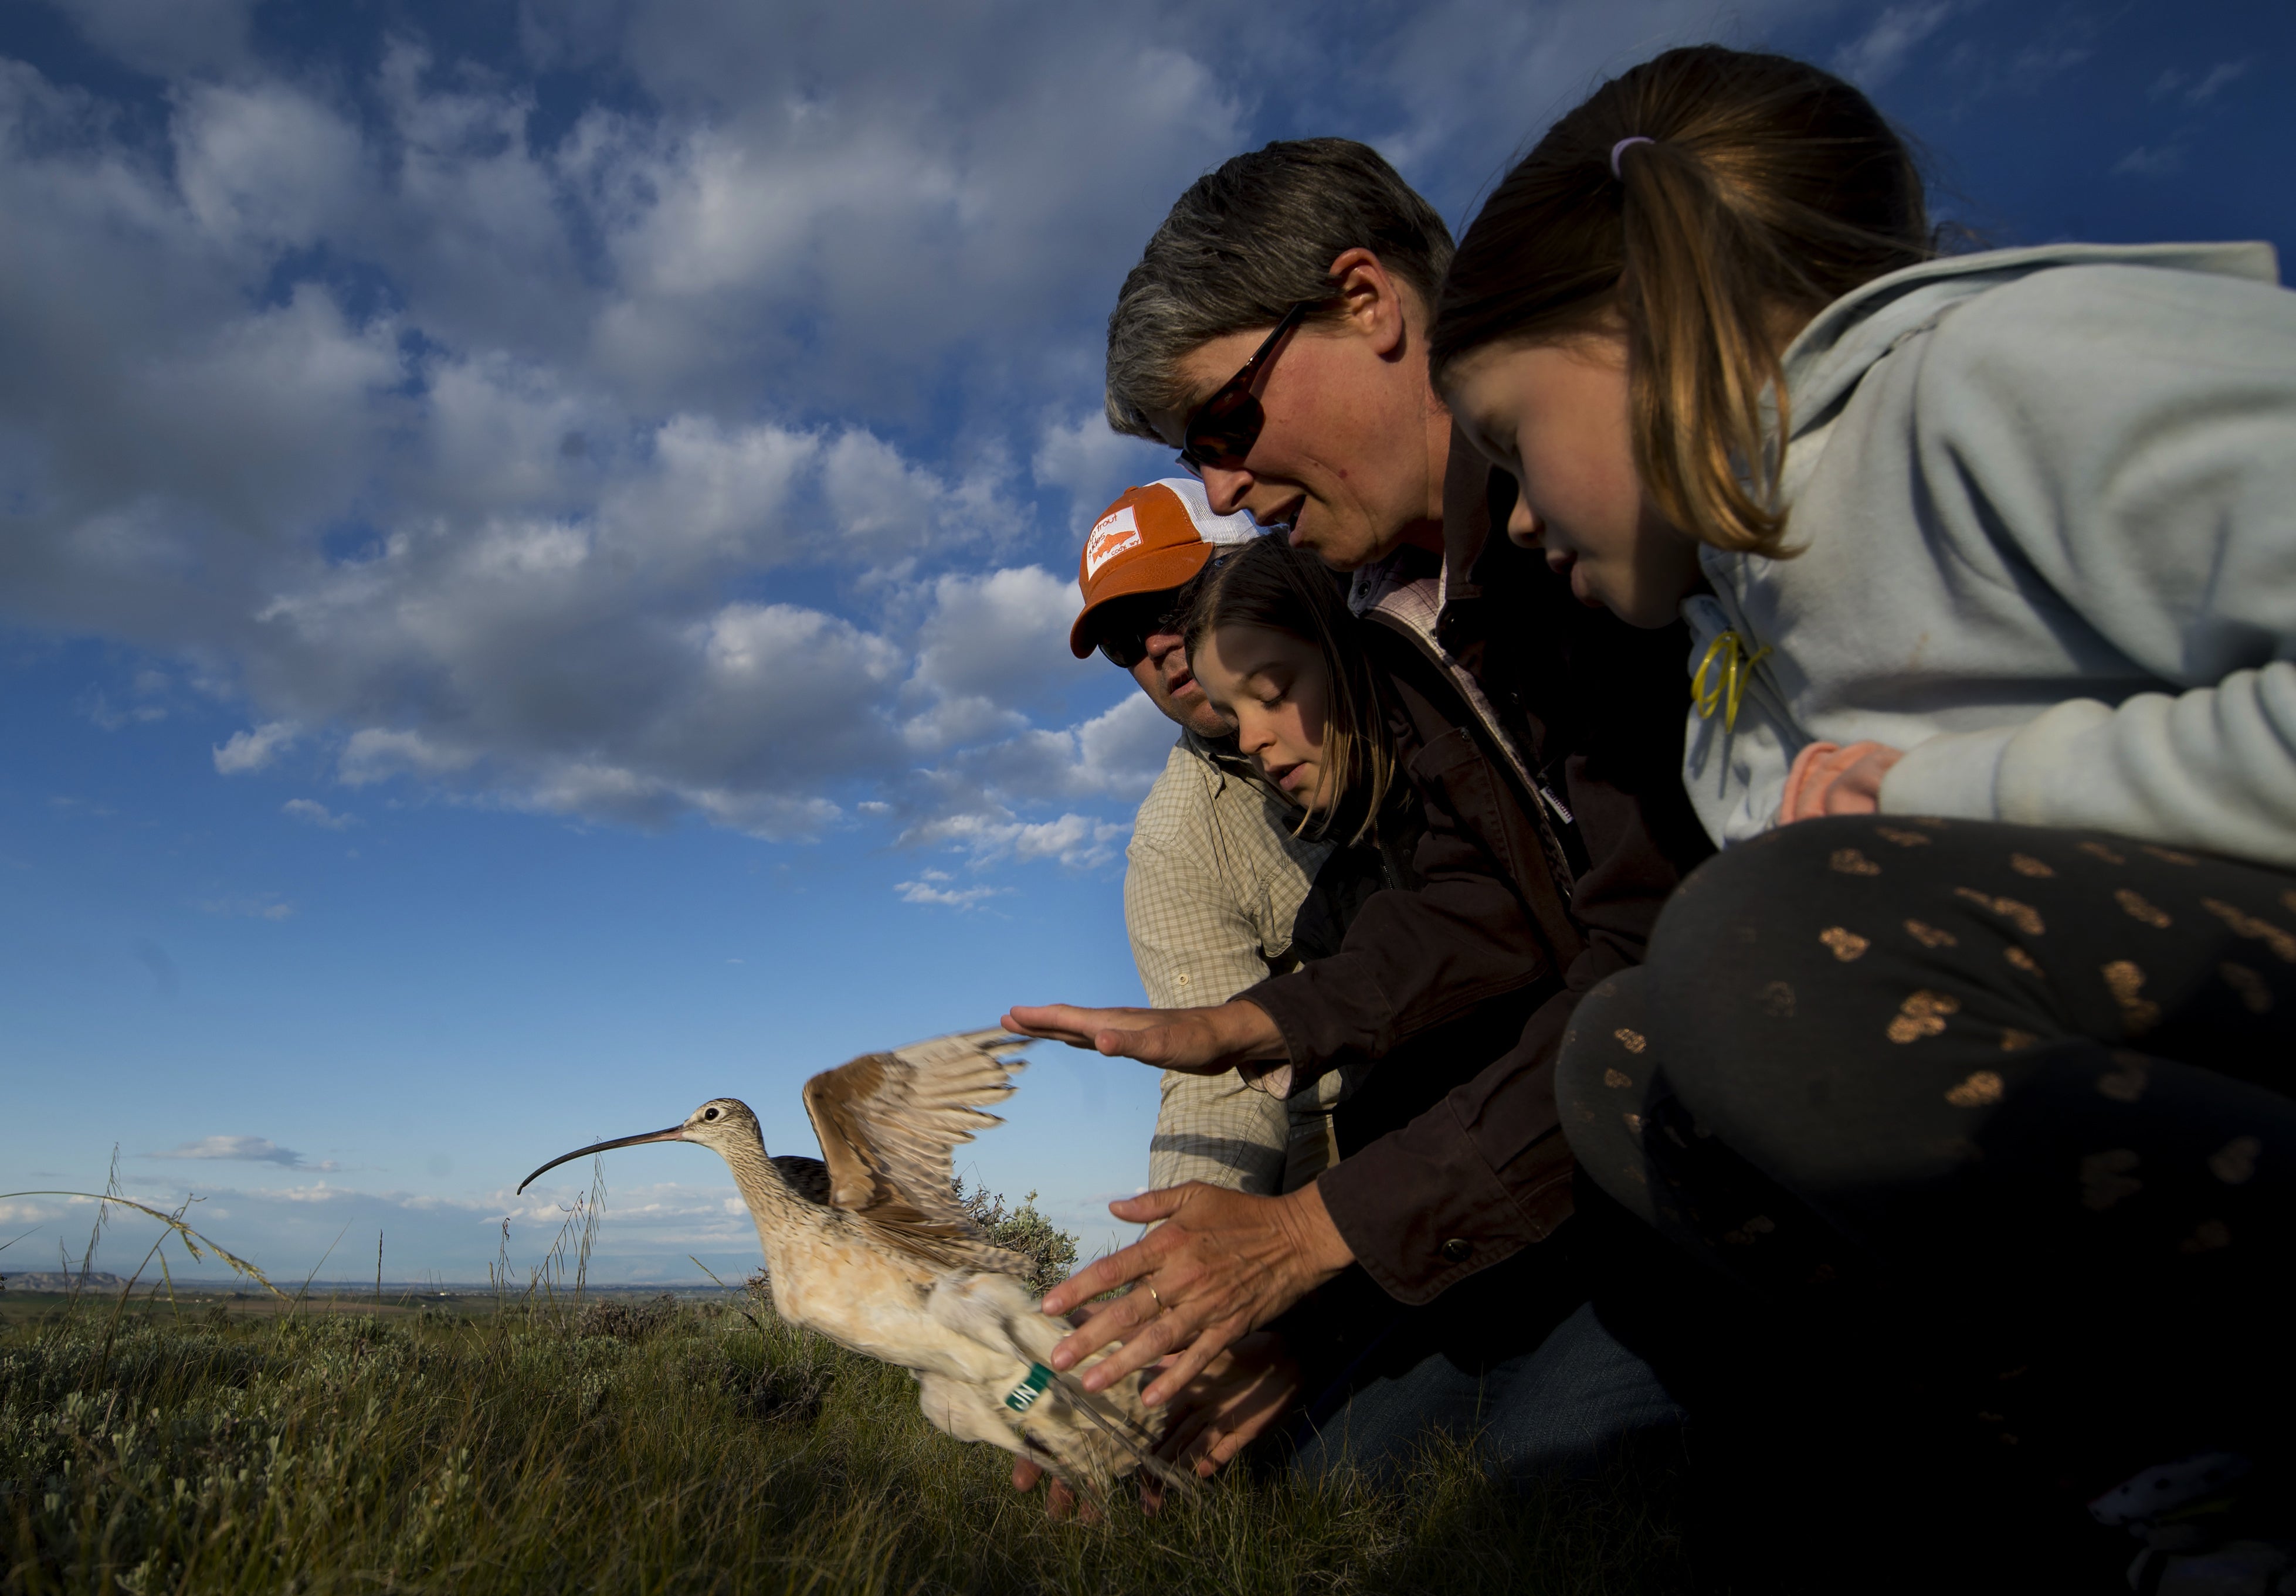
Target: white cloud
2151 161
34 1212
2198 88
1114 755
1449 88
313 812
2070 42
857 204
376 755
932 887
885 507
264 164
253 748
714 489
978 802
1076 841
164 36
246 1150
1875 57
250 906
1002 637
1121 751
99 707
1073 840
2216 77
1092 462
719 453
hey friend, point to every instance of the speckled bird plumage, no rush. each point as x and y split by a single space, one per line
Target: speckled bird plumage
871 1248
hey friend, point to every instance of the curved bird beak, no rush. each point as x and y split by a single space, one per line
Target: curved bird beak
675 1132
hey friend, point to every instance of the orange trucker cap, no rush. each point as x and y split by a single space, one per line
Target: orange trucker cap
1152 539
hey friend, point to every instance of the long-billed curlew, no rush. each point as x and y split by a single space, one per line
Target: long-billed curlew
875 1253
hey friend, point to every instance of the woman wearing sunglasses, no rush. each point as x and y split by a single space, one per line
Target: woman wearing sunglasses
1568 809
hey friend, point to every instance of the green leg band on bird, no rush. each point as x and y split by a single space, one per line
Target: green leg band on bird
1023 1395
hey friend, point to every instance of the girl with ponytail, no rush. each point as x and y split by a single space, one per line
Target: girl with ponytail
1991 565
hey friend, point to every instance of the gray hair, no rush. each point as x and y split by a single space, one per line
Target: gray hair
1250 241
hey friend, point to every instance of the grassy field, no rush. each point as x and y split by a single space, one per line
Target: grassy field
619 1444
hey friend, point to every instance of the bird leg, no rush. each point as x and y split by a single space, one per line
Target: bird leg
1145 1459
995 1314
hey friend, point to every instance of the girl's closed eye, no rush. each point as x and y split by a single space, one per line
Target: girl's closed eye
1558 418
1271 640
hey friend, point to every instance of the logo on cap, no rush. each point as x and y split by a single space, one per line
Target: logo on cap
1111 537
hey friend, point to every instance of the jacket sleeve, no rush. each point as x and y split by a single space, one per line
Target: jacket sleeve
1478 1178
1486 1171
2130 435
1414 960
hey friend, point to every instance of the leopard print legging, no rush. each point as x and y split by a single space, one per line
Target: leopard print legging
2020 1095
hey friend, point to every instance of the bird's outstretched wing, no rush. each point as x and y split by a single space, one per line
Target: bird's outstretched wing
887 1123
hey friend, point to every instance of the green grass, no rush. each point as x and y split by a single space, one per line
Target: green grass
687 1449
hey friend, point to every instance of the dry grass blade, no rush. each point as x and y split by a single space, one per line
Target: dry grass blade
192 1239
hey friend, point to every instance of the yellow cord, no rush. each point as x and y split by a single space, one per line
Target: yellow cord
1727 650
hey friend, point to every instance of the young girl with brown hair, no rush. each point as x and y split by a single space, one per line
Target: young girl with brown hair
1421 937
1272 632
1991 563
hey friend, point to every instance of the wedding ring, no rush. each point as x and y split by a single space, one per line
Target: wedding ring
1152 1297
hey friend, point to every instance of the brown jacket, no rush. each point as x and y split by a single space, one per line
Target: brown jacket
1520 895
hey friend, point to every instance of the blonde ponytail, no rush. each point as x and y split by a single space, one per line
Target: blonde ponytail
1698 342
1705 203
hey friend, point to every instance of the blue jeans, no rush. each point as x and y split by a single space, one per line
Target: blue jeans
1569 1406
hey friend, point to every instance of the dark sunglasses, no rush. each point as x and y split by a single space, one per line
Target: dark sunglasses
1126 624
1221 433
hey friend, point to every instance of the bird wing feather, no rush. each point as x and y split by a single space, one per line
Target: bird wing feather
807 1177
887 1123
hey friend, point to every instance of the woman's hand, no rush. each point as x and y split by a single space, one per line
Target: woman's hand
1829 779
1240 1394
1221 1264
1194 1041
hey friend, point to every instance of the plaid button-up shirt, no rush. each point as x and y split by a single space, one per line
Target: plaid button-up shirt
1213 881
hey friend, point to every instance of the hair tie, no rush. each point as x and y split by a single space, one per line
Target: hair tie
1620 149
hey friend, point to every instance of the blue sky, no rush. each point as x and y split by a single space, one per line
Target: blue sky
536 540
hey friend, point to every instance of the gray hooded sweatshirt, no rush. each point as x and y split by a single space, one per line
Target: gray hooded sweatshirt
2045 501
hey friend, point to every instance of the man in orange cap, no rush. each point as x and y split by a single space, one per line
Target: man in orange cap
1214 874
1140 553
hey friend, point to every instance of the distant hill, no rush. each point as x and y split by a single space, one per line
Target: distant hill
56 1279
